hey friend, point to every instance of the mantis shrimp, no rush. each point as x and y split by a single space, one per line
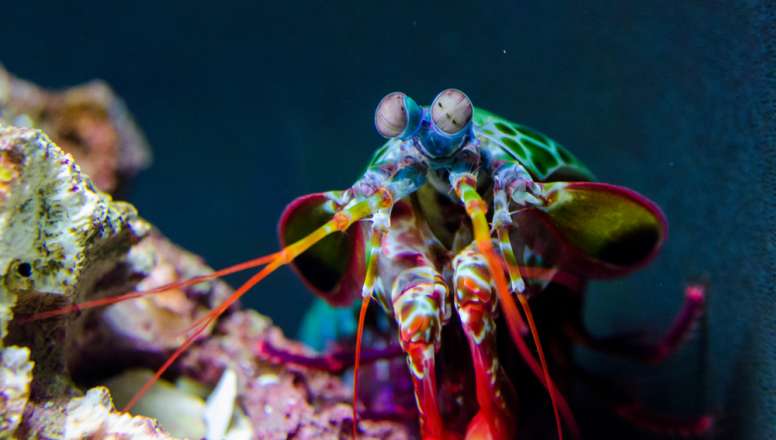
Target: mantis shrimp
463 220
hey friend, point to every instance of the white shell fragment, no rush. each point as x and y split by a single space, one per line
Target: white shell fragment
177 411
240 428
451 111
221 410
220 405
93 416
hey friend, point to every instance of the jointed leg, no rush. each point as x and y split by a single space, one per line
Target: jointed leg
691 311
341 221
644 418
418 299
647 420
335 361
465 184
501 221
475 305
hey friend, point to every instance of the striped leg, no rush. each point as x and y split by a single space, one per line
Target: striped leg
418 298
418 301
476 305
465 184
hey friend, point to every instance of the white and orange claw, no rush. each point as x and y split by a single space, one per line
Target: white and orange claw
465 185
418 299
475 305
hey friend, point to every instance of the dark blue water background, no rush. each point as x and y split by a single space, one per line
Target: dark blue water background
249 105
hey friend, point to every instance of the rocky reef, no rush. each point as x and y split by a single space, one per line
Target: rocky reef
88 121
64 240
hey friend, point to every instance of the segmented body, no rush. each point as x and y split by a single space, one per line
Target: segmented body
449 266
546 159
543 157
430 269
428 264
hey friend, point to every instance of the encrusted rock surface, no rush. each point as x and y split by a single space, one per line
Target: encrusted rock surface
58 237
144 330
59 234
93 416
15 378
88 121
279 401
62 242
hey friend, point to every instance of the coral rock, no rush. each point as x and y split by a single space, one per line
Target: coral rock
93 416
281 402
142 332
15 378
63 242
58 234
88 121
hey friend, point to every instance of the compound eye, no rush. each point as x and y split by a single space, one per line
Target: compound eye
391 115
451 111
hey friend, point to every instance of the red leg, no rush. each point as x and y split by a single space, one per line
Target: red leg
475 305
335 361
419 303
630 347
647 420
414 294
631 410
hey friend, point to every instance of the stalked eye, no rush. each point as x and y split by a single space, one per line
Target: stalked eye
451 111
397 115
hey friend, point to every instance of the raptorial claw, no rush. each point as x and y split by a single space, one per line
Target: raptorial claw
465 187
475 305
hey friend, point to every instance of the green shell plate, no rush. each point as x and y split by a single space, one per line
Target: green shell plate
544 158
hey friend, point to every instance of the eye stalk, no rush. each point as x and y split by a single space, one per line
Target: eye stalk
451 111
438 131
448 124
397 115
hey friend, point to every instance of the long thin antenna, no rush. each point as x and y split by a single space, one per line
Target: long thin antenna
211 316
476 209
340 221
359 335
141 293
550 386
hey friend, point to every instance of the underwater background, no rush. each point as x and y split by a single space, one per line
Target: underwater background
249 105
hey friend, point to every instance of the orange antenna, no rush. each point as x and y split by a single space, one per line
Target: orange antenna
359 335
476 208
545 370
210 317
375 241
141 293
341 221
